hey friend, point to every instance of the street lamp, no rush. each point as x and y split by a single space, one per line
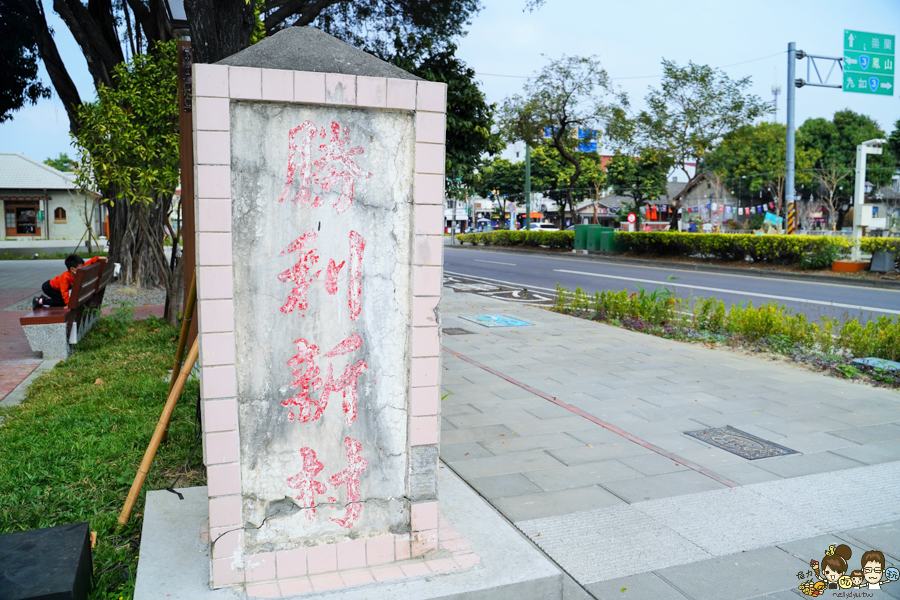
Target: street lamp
861 217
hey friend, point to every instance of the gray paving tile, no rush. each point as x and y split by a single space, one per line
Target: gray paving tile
446 425
814 442
646 586
463 451
547 441
550 411
449 410
564 424
885 537
560 502
871 454
662 486
593 453
474 434
503 486
652 464
596 435
561 478
796 465
814 548
783 595
745 473
737 576
518 462
872 433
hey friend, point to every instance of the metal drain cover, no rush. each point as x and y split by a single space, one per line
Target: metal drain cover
740 442
456 331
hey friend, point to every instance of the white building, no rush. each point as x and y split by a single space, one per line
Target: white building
41 203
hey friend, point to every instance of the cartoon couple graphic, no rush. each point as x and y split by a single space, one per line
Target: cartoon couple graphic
871 576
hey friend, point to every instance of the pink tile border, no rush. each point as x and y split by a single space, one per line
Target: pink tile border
358 561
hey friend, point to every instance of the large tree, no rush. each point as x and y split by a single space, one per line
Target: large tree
641 178
564 106
752 160
19 83
693 108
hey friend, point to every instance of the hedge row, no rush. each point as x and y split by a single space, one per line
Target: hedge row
504 237
776 249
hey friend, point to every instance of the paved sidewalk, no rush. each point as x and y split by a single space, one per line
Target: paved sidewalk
611 488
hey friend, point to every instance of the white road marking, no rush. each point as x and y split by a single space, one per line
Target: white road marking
494 262
737 292
512 283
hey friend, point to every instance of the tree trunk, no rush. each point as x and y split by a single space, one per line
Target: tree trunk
219 28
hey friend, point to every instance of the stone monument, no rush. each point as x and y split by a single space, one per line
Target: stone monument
319 186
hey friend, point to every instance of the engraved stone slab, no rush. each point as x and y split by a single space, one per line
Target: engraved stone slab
739 442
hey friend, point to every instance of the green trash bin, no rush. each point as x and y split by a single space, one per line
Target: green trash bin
581 232
593 237
609 243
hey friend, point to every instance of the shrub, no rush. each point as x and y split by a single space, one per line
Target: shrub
775 249
504 237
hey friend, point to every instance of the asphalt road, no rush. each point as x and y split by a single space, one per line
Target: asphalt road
814 299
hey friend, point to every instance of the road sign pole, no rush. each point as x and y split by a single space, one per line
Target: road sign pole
527 187
859 193
789 159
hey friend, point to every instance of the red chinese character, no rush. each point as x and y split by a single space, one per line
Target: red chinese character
307 133
346 383
305 481
335 169
300 271
350 477
331 276
328 175
306 378
357 247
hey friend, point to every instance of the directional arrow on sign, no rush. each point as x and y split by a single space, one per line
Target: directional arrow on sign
886 85
851 40
850 61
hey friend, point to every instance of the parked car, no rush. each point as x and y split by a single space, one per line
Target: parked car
543 227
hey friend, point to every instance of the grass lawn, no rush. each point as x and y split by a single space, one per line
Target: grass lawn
70 451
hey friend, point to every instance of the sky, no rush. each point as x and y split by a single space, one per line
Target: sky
630 38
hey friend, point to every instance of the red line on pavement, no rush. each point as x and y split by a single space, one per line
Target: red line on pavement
601 423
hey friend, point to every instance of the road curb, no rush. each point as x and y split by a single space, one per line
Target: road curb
812 278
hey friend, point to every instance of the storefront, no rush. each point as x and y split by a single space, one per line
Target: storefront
24 216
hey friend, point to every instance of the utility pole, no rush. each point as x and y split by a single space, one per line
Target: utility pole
527 187
791 87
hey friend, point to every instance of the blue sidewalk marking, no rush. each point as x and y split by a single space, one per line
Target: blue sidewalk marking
497 321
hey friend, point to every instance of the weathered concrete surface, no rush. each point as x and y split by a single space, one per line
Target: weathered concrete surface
309 49
174 563
48 338
266 337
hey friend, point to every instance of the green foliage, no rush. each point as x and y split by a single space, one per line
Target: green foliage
71 449
62 163
19 80
693 108
772 324
836 142
504 237
128 140
776 249
469 116
642 178
751 158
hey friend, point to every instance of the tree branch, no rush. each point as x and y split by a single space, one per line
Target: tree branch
307 9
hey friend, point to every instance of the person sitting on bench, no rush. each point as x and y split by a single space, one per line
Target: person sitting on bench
56 290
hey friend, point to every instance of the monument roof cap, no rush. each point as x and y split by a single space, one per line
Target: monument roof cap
310 49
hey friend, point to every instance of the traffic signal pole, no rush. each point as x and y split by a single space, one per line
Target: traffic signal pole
791 92
527 187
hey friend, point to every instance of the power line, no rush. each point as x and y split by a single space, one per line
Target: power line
642 76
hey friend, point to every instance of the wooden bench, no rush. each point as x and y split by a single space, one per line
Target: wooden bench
53 331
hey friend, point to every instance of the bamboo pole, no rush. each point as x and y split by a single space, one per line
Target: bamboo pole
189 306
158 434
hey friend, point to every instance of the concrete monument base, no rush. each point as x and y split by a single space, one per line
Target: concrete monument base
174 561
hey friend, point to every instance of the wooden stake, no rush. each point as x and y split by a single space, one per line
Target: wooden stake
158 433
189 306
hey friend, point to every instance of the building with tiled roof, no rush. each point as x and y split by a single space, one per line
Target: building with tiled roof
42 203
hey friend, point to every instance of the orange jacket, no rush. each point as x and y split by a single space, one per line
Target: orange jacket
64 282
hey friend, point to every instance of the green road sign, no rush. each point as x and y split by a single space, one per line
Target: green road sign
865 62
868 63
869 84
863 41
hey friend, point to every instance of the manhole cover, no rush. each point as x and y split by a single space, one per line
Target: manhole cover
739 442
456 331
497 321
